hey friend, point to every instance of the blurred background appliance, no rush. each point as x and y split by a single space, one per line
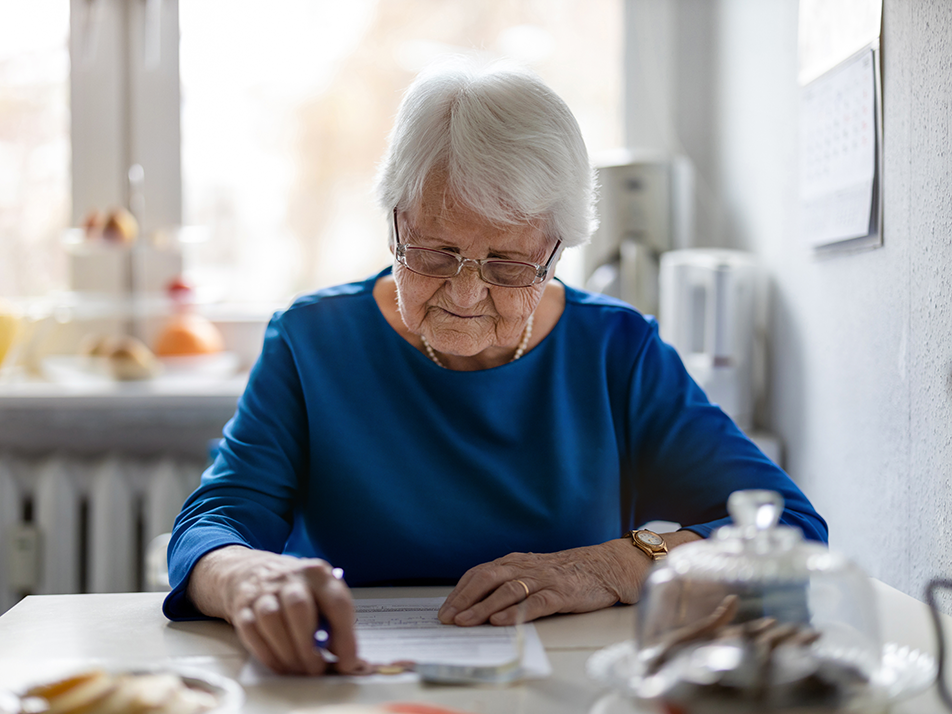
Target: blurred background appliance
708 300
643 211
710 303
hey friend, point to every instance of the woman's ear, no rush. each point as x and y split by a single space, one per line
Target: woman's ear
392 233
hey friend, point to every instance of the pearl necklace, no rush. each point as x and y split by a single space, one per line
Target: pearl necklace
520 350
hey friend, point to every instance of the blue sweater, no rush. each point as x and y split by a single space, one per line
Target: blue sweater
351 445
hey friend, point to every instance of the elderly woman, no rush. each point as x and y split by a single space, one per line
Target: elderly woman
462 417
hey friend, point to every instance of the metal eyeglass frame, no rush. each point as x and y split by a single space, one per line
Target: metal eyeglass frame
541 271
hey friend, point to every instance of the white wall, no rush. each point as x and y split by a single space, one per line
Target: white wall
861 344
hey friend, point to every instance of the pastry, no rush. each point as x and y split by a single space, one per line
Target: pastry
122 358
99 692
120 227
95 345
131 360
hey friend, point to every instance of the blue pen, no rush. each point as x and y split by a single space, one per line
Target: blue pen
322 635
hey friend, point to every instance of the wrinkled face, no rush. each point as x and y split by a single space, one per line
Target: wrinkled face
463 315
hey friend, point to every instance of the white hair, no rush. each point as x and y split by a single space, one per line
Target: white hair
508 147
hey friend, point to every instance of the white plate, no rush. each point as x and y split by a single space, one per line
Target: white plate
615 666
227 691
904 671
76 370
220 365
88 371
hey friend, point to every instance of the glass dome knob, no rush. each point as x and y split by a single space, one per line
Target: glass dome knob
755 511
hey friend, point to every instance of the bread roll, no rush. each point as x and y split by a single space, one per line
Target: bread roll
95 345
131 360
120 227
79 693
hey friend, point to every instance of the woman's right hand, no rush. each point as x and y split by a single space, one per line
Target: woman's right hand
275 603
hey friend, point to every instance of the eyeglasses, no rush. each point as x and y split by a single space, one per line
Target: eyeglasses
443 264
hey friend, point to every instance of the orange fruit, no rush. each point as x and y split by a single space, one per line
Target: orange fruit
188 334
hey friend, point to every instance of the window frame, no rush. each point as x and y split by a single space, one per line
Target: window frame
125 109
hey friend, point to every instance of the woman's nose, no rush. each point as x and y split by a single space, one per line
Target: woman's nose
467 288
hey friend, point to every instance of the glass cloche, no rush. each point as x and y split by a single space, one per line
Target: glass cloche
756 619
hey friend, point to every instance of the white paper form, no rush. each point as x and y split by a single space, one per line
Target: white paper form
838 152
407 629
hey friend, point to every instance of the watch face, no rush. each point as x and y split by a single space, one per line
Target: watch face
650 539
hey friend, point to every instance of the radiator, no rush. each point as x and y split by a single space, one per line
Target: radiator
73 524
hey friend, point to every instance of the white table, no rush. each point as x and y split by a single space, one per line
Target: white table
51 632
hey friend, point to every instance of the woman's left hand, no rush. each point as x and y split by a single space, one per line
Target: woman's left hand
576 580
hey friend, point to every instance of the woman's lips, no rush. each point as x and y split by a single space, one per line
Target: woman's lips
459 315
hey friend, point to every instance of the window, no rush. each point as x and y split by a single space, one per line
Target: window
285 110
34 145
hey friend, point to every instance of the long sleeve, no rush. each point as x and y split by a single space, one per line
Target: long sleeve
691 456
247 495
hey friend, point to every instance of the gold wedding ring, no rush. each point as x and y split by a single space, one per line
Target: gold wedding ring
524 586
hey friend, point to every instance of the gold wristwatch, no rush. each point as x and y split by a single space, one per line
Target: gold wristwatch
650 542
